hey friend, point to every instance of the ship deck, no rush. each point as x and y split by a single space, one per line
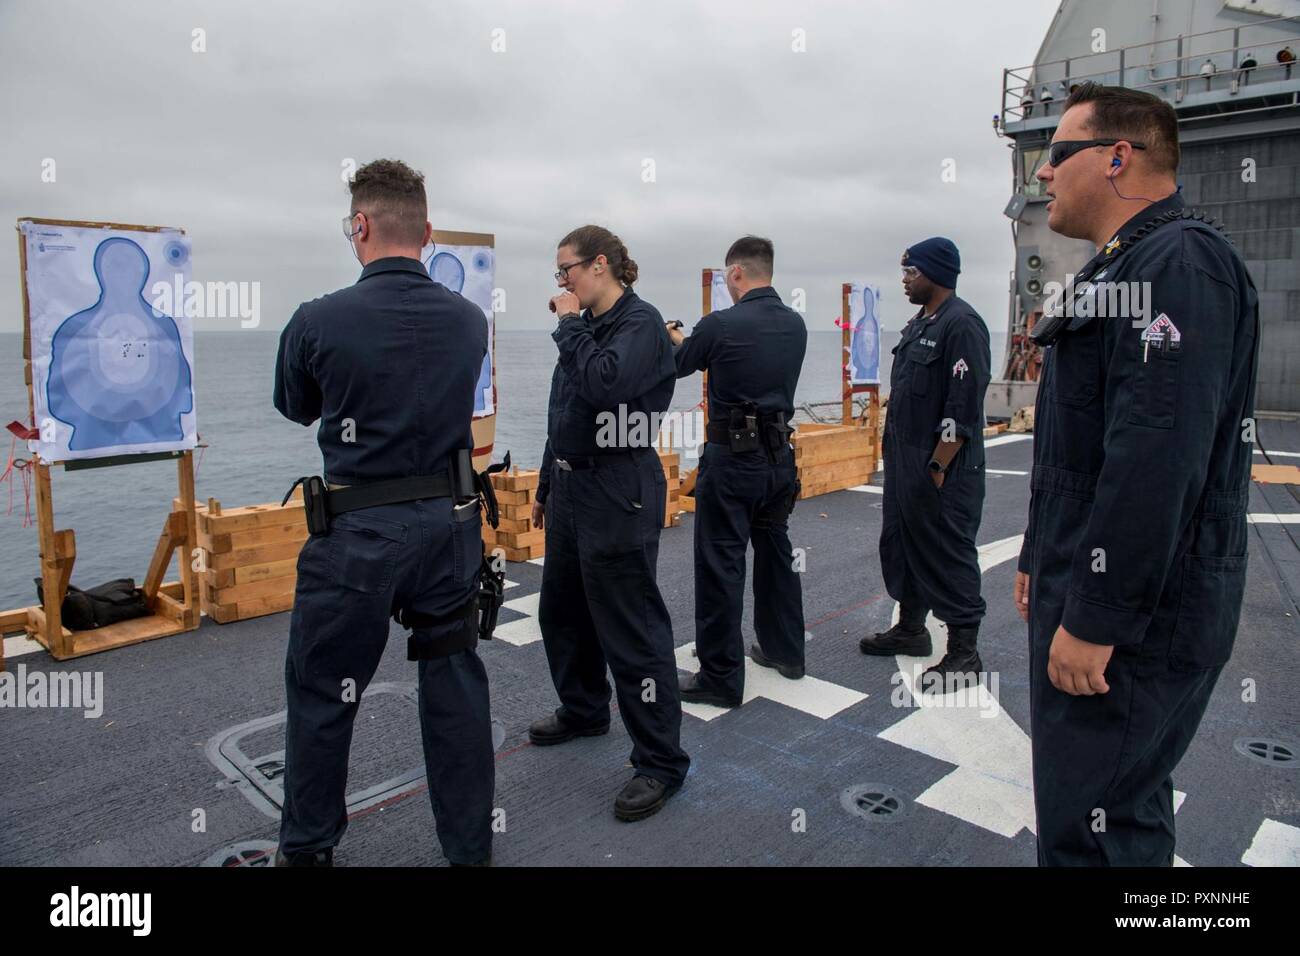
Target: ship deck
194 723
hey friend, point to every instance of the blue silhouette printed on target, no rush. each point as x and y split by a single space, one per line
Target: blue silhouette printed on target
118 374
469 270
864 348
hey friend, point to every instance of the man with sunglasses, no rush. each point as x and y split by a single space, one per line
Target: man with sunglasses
1133 566
388 366
934 471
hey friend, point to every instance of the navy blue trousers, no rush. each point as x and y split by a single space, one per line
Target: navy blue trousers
600 606
410 555
743 499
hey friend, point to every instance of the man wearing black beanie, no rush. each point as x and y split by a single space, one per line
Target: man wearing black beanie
934 470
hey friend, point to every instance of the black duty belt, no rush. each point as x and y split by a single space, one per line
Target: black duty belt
747 429
323 503
583 462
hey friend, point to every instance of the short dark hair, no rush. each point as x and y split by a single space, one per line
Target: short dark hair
754 253
1121 113
391 194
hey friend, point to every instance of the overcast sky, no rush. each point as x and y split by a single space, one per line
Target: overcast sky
835 153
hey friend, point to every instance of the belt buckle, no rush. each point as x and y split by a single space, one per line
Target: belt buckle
564 465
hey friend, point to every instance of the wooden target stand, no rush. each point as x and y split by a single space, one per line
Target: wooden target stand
175 605
822 434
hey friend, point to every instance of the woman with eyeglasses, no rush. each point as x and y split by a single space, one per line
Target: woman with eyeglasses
601 501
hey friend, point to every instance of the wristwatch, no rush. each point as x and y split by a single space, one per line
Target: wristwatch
937 468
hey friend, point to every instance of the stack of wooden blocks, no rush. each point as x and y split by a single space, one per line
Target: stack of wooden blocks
516 491
672 463
251 561
834 457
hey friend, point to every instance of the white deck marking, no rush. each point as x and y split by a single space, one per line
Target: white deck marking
1003 471
1280 454
816 697
1005 440
1270 518
538 561
992 786
526 630
1275 844
869 489
19 645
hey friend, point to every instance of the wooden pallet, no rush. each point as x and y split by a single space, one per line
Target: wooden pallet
515 538
250 558
833 457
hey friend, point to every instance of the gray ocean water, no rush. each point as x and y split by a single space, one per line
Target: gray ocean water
253 455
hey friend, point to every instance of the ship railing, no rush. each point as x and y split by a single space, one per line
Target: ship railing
1039 91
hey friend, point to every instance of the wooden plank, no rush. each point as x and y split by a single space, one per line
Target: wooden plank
516 480
57 637
254 607
267 587
846 409
688 503
521 540
257 516
162 554
124 633
262 554
273 534
523 554
1275 474
516 497
834 471
512 525
229 577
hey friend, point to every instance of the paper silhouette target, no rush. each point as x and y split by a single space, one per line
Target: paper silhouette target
864 317
111 374
469 270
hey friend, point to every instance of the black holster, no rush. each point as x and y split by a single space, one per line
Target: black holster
478 615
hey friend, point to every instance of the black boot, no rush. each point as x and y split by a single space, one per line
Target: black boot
788 671
642 797
553 730
323 857
960 666
909 636
695 691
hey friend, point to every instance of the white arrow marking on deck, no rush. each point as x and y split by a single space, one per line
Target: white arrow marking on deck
817 697
992 785
1005 440
1275 844
525 630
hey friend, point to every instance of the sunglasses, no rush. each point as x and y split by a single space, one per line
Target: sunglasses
1062 150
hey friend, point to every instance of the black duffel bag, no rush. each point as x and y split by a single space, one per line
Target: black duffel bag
109 603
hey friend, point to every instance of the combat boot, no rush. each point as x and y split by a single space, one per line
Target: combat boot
909 636
960 666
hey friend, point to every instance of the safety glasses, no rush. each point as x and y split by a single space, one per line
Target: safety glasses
1062 150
